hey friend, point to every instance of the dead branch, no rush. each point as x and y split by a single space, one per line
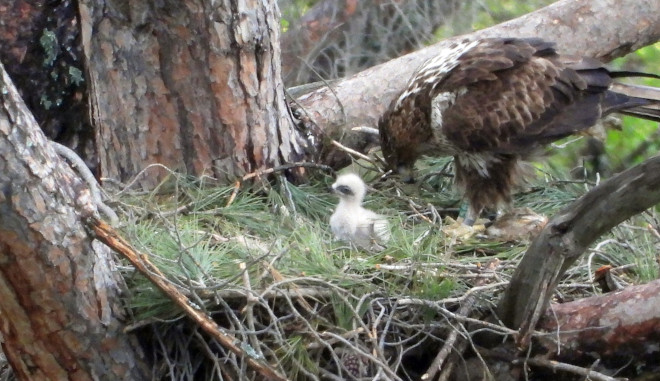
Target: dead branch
567 236
559 366
268 171
622 324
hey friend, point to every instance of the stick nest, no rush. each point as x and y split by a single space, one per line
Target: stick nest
258 258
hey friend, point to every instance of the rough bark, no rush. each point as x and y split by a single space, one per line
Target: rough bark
42 53
618 326
339 38
194 85
57 294
567 235
597 28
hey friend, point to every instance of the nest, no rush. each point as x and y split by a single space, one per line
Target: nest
259 264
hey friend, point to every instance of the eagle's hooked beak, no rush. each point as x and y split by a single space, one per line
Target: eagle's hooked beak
405 171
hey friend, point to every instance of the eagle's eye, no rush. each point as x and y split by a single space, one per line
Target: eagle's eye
343 189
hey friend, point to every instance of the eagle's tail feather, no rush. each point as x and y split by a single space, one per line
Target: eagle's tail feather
645 112
630 74
647 99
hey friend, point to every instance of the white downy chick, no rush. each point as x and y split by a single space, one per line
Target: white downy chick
351 222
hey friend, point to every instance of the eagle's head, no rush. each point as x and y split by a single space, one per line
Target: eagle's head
399 161
407 128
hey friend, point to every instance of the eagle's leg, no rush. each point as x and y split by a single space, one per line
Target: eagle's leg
486 181
462 230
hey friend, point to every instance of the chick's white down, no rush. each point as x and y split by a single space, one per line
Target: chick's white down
351 222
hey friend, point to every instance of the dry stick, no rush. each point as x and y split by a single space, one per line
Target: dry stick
112 239
447 348
248 310
268 171
419 214
278 277
653 230
555 366
567 235
353 152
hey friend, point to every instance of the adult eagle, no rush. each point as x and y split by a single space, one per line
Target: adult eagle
491 103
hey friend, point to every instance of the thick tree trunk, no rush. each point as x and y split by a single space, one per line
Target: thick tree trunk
194 85
58 298
567 235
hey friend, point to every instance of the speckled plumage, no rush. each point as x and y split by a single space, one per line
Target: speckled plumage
351 222
491 103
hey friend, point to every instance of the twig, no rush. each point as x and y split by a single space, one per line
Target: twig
446 349
251 300
563 145
353 152
277 277
234 193
653 231
554 365
137 176
361 352
366 130
112 239
268 171
418 213
302 164
79 165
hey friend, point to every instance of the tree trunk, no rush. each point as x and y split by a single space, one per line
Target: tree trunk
58 298
195 86
42 53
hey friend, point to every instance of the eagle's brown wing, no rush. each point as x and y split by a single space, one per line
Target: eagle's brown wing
519 95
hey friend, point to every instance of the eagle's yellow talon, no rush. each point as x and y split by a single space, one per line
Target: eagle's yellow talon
458 231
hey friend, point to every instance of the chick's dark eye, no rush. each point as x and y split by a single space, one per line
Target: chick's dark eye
343 189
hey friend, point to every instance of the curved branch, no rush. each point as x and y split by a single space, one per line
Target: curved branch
568 234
